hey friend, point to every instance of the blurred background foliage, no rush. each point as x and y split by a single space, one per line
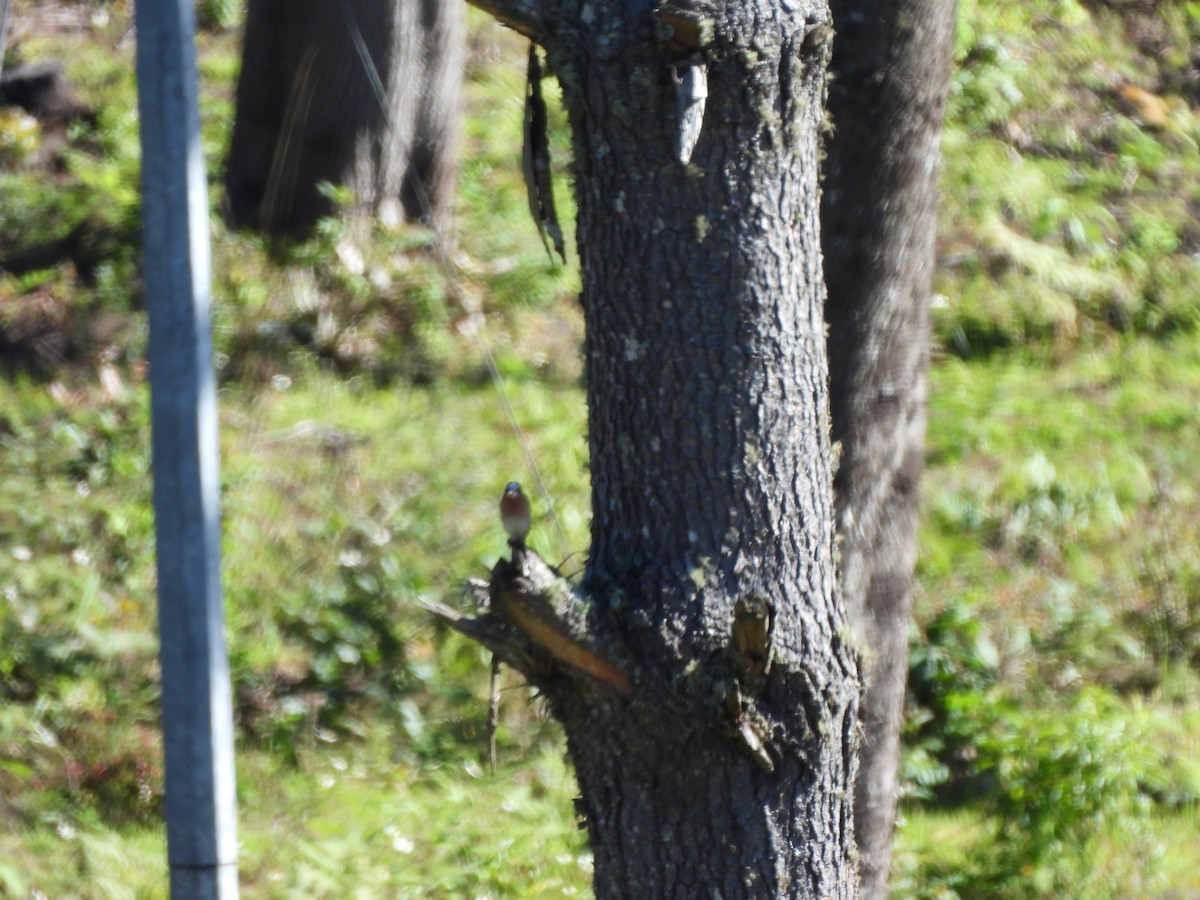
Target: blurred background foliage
1052 744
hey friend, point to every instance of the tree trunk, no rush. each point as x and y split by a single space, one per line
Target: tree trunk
703 674
358 93
890 66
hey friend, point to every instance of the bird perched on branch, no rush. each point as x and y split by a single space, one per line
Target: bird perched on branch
514 514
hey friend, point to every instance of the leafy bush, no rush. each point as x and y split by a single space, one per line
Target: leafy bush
952 672
1062 779
1057 782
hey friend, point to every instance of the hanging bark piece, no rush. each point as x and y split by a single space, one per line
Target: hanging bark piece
535 159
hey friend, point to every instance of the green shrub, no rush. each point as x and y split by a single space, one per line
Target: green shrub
1062 779
1057 784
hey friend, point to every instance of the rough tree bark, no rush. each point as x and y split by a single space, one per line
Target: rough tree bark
309 110
890 68
703 672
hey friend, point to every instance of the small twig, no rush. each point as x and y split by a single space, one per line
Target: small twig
329 439
493 713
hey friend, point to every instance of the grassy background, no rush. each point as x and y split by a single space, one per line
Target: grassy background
1053 735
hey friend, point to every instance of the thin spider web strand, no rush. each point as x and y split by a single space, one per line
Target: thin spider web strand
451 270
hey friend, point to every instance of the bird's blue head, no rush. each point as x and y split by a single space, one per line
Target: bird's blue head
513 487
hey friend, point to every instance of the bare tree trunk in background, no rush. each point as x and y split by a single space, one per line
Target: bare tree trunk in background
311 109
891 63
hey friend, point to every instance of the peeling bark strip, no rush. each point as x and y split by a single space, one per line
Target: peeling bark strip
535 158
691 94
722 762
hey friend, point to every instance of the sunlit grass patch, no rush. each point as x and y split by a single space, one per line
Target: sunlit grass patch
452 831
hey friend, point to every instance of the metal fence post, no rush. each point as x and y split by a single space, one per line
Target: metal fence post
196 702
4 7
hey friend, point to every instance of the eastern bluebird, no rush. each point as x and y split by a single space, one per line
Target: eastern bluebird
514 513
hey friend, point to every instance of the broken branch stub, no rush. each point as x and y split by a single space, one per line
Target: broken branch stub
535 621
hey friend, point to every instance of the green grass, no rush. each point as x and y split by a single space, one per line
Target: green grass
364 444
933 846
450 832
1066 211
340 824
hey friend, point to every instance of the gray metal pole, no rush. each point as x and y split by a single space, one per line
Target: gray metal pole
197 711
4 5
